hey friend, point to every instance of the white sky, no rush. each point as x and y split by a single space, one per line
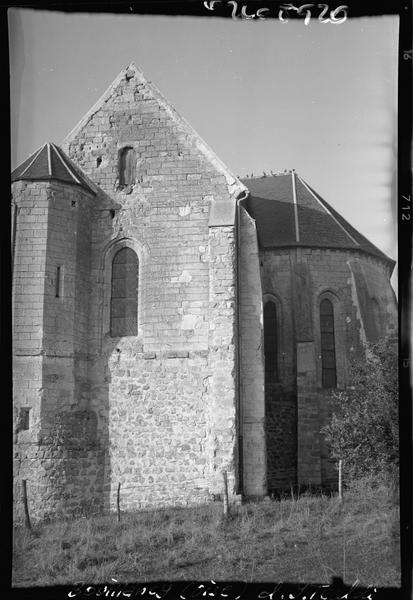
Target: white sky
264 95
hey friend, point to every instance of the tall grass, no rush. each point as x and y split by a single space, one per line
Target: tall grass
302 538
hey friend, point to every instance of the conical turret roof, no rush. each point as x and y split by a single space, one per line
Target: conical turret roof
288 212
48 163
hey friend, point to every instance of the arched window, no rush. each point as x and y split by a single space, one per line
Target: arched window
328 352
127 166
377 322
124 294
270 341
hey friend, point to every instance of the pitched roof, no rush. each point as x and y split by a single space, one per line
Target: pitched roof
288 212
48 163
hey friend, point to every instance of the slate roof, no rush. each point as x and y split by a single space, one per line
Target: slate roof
50 163
288 212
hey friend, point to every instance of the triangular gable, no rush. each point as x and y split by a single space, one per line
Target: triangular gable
235 186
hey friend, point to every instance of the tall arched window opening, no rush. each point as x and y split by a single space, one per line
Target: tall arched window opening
377 322
124 294
270 342
328 352
127 166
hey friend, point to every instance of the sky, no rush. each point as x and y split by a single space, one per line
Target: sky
320 99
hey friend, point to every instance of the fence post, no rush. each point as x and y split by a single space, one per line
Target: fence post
340 480
226 503
118 502
26 508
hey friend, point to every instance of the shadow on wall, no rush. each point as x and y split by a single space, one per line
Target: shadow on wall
101 348
78 442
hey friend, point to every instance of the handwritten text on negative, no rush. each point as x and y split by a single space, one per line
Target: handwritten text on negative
282 12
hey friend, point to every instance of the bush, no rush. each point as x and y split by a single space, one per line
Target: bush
364 431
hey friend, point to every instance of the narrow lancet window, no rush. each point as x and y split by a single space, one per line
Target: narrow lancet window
270 342
58 283
127 166
377 322
124 296
328 352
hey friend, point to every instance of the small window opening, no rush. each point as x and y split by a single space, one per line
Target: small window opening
377 321
24 418
112 213
98 161
58 282
127 167
74 203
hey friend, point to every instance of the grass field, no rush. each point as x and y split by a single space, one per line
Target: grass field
304 539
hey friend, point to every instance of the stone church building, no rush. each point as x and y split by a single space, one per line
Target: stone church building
172 321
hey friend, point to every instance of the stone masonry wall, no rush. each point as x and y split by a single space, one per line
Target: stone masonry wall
29 263
252 361
58 454
349 280
69 427
370 281
66 310
281 396
64 473
153 392
333 279
223 401
157 429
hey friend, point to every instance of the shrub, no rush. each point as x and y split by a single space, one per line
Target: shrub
364 431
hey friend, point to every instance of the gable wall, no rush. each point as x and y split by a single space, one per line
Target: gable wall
153 393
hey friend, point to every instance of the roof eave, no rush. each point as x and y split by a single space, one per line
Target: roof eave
83 186
381 256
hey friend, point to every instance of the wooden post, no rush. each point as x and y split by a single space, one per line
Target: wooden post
26 508
340 482
118 502
226 504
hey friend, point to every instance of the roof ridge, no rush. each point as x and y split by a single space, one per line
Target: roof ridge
49 160
268 175
65 162
297 228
